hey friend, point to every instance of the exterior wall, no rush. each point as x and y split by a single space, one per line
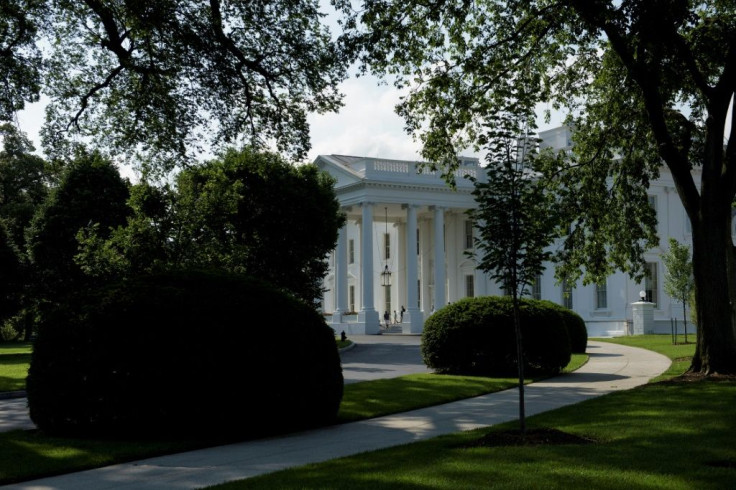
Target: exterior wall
391 186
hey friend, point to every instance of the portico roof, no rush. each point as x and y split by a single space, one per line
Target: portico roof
386 181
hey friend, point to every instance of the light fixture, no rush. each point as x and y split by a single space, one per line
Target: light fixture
386 274
643 295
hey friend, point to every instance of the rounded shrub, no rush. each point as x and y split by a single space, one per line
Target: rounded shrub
189 353
476 336
575 325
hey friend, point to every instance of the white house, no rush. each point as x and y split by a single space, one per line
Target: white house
417 235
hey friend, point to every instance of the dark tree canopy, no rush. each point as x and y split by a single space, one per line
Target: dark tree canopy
20 58
11 276
163 78
643 82
24 180
90 193
247 212
255 213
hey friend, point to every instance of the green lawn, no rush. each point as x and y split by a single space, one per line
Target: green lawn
663 435
14 360
341 344
669 435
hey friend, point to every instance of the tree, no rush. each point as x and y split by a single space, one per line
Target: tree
150 77
513 219
11 277
642 82
678 280
20 58
146 243
246 212
253 212
24 182
90 192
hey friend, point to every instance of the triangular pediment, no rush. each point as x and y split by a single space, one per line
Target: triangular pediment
339 167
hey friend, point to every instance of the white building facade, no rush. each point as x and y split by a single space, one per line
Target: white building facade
415 232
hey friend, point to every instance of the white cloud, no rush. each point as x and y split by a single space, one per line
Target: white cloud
365 126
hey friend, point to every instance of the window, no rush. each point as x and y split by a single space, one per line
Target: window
653 203
601 296
468 234
386 246
537 287
351 298
470 286
419 294
351 251
567 295
651 283
387 298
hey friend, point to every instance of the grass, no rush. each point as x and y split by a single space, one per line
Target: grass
671 434
14 360
26 455
341 344
664 435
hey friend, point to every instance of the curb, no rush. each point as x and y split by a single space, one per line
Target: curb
9 395
350 347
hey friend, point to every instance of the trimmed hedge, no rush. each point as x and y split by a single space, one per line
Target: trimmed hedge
476 336
575 325
191 354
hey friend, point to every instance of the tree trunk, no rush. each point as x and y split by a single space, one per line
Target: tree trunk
712 261
684 315
520 362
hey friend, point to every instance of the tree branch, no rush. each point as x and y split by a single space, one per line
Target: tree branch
648 82
90 93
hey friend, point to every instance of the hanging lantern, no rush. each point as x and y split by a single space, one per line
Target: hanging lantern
386 276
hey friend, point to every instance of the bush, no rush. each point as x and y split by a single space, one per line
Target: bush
8 333
575 325
189 354
476 336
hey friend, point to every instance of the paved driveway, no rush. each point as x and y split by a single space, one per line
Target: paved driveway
382 356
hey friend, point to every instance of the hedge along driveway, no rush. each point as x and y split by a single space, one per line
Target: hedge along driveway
611 368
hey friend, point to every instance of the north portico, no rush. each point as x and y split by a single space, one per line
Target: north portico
413 226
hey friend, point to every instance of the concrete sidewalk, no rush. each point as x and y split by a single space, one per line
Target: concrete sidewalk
611 368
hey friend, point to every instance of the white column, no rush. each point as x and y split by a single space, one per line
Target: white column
341 275
439 258
400 276
452 247
368 316
413 323
426 297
